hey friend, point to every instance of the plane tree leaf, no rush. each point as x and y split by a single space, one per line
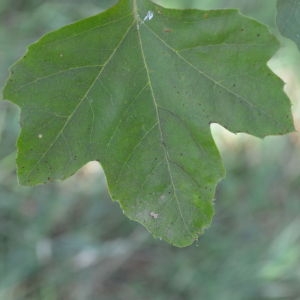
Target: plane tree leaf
288 19
136 88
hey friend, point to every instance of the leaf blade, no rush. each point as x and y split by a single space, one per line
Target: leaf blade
142 106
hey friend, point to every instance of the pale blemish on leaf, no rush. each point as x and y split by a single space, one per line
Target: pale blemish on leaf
149 16
153 215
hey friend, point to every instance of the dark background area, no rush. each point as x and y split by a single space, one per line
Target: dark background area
68 240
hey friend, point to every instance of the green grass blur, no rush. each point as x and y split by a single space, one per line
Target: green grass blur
68 240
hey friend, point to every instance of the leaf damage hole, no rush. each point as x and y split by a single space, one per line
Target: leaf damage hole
40 136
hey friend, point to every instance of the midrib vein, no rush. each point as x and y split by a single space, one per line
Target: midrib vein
165 150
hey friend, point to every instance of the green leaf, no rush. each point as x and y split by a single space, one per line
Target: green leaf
288 19
136 88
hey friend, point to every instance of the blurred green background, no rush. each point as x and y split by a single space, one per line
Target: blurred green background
68 240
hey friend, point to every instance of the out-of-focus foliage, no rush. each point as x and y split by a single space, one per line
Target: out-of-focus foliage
69 241
288 19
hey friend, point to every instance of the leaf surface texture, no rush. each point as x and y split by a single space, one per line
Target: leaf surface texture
136 88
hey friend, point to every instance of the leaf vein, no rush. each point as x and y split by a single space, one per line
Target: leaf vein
166 154
80 101
133 151
125 113
87 30
55 74
216 82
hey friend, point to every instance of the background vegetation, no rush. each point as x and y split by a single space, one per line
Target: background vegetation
67 240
